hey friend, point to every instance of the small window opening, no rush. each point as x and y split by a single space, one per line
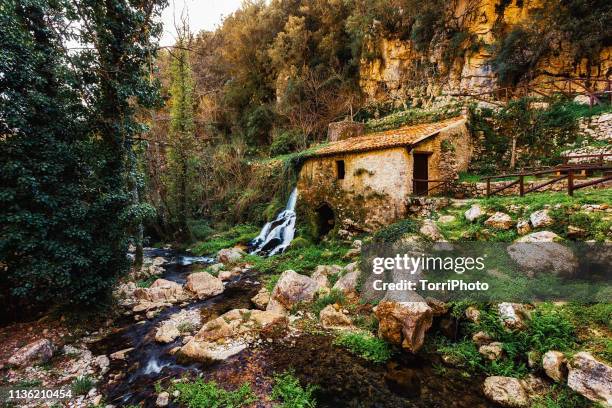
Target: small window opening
340 171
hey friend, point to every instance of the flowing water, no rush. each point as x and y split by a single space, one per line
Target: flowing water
276 235
342 379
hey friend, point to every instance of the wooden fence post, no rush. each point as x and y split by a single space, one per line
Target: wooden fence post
570 182
522 185
488 187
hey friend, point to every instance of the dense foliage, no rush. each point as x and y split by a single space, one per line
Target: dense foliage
66 130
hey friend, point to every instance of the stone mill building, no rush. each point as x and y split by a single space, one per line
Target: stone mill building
363 182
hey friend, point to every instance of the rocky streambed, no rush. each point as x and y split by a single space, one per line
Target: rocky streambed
143 353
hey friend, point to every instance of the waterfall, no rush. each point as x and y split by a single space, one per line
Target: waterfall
276 236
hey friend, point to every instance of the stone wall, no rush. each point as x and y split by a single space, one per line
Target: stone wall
372 194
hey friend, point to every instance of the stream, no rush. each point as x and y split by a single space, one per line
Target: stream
342 379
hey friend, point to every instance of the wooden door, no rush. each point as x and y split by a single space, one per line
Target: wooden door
420 172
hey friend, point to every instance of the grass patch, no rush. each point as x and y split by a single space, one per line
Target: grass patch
29 384
291 394
561 397
301 260
201 394
239 234
333 297
596 225
395 231
365 345
82 385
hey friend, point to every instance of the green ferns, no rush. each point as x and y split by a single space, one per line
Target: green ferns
288 390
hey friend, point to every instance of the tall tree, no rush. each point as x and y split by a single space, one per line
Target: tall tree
67 126
182 143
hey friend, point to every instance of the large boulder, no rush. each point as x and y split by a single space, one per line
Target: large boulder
513 315
555 365
500 220
37 352
492 351
591 378
540 236
231 333
523 227
179 323
333 319
347 283
161 290
514 393
167 333
540 219
261 299
291 289
430 230
506 391
539 256
474 212
323 272
404 323
229 255
204 285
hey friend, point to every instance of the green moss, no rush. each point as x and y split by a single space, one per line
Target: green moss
365 345
412 117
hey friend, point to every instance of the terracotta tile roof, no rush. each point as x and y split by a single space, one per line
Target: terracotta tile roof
404 136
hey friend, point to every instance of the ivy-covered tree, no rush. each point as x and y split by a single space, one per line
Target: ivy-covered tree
66 129
181 159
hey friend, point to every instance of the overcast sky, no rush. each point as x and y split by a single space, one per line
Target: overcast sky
203 15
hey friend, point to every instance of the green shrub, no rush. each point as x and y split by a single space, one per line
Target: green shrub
201 394
300 242
365 345
516 54
82 385
288 390
334 296
199 229
286 142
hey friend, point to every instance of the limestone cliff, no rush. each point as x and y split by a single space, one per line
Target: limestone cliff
399 71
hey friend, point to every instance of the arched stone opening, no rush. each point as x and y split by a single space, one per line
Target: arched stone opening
326 219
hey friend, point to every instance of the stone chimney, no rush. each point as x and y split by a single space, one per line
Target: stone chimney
343 130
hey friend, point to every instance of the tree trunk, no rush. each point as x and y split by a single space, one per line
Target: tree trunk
513 153
139 255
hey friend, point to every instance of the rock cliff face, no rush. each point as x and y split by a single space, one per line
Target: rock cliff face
399 71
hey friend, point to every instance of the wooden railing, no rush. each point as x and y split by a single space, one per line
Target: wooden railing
563 172
438 185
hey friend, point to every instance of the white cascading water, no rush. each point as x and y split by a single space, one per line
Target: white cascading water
276 236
